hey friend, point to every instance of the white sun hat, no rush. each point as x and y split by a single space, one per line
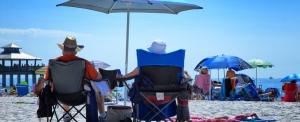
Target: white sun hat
157 47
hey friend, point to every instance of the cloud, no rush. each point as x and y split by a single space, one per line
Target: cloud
34 32
9 40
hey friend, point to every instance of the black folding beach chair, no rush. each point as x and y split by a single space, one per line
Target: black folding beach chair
110 77
155 90
68 80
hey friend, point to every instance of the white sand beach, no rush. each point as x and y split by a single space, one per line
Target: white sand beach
281 111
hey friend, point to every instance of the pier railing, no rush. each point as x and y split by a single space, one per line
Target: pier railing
18 68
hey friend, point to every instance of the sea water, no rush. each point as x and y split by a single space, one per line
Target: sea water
264 82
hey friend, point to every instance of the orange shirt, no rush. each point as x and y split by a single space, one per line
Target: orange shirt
90 72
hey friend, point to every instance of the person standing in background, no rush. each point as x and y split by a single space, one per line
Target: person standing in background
230 73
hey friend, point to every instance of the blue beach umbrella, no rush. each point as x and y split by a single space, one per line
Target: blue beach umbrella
291 77
221 62
226 61
128 6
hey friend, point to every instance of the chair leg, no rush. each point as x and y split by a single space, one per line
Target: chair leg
159 110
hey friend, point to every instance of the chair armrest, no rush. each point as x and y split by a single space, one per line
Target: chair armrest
125 79
87 80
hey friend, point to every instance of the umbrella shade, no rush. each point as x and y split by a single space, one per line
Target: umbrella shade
99 64
260 63
148 6
224 61
291 77
41 70
200 64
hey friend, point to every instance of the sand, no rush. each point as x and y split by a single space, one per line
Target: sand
281 111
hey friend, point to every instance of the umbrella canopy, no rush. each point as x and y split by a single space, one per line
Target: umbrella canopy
41 70
99 64
291 77
148 6
259 63
200 64
223 61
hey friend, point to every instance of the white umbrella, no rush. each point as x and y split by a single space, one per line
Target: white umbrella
146 6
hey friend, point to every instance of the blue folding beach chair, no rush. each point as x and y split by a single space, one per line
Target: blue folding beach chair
22 89
155 90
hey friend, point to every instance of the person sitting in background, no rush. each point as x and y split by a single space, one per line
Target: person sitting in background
39 86
201 84
230 73
12 90
295 82
188 78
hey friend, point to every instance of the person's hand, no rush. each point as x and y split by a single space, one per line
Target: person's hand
119 75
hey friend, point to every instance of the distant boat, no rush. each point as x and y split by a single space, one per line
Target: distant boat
271 78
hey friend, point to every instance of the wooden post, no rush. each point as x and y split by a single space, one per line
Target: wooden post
33 78
27 65
3 80
26 78
11 65
19 67
19 78
11 79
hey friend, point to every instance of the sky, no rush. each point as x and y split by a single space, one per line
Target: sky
249 29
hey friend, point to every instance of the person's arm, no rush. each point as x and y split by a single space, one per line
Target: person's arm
197 78
91 72
132 73
187 74
99 77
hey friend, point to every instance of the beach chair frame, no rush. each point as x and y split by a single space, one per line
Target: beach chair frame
166 78
110 77
71 74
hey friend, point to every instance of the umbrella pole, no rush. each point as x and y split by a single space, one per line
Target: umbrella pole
127 44
218 76
209 96
256 76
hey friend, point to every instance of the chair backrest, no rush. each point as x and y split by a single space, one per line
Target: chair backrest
22 89
290 87
110 75
67 77
162 69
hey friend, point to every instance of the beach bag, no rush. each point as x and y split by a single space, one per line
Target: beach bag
46 101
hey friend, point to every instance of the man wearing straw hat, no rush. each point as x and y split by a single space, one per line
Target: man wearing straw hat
69 50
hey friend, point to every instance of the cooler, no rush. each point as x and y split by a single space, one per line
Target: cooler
117 113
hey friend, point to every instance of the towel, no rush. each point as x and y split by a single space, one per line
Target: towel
101 87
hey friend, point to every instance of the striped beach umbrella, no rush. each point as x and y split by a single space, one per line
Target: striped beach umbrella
99 64
259 63
41 70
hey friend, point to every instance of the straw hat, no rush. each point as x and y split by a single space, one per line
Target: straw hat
157 47
69 45
204 70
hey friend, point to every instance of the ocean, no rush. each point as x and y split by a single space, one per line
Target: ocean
265 82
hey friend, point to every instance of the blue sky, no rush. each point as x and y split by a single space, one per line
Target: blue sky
249 29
